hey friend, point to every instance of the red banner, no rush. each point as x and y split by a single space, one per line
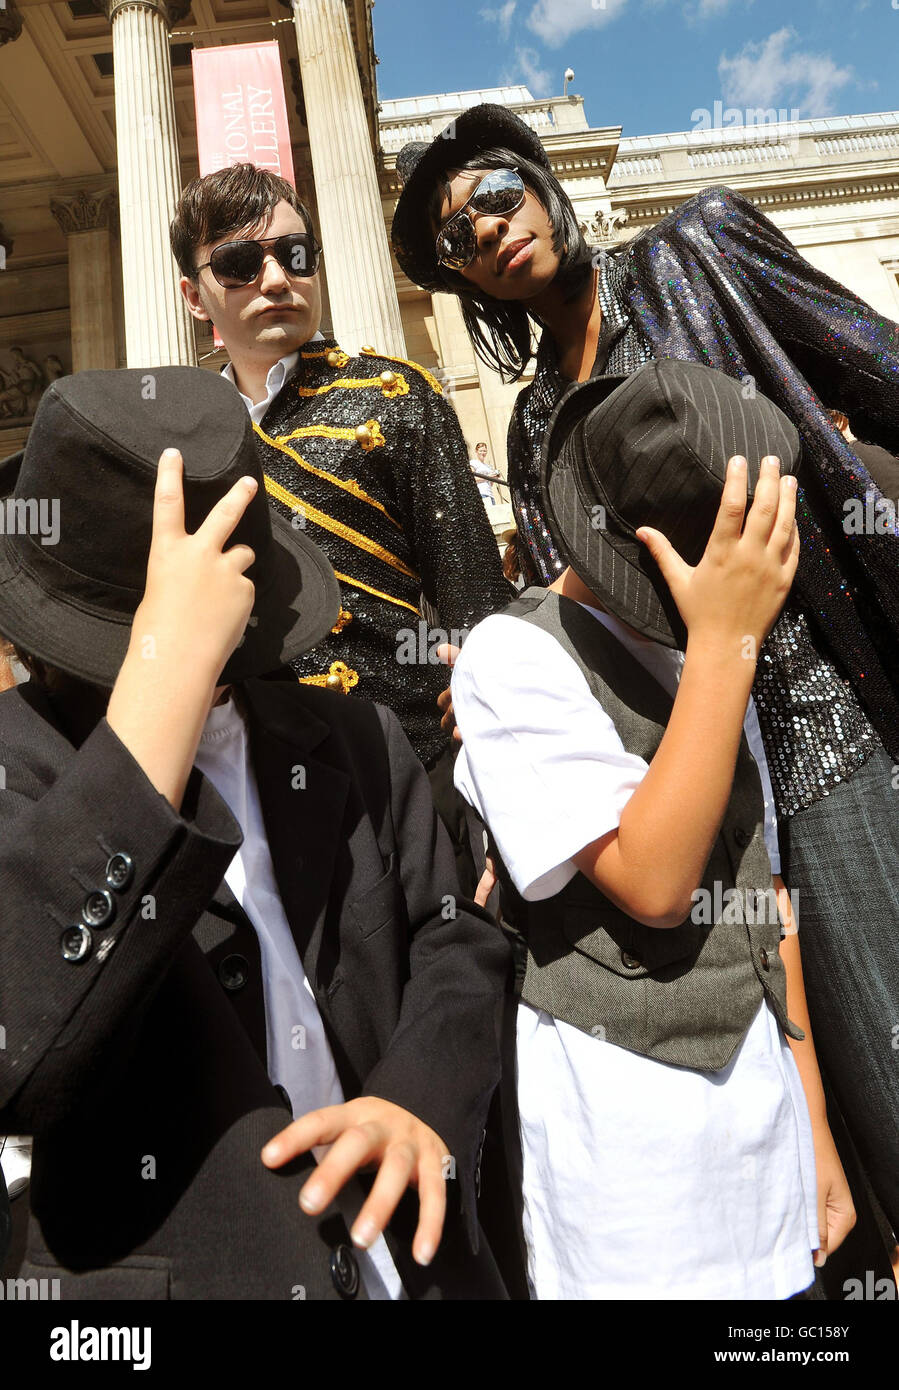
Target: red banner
241 111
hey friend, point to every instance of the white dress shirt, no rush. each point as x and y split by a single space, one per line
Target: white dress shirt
277 375
640 1179
299 1056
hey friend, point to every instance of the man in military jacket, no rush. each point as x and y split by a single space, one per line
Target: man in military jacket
364 453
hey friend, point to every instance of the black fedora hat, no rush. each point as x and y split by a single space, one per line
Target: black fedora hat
418 164
76 509
650 449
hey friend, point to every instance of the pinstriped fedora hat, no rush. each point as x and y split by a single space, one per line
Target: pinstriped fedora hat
650 449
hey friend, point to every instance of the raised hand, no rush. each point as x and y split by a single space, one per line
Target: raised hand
195 608
197 599
740 584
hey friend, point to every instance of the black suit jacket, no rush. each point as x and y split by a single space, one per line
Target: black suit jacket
141 1069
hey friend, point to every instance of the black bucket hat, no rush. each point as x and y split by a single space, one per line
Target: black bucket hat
77 513
650 449
419 164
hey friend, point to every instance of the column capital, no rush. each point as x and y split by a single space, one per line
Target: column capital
10 22
172 11
603 228
85 212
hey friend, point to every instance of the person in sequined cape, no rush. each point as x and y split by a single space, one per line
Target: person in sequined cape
716 282
363 452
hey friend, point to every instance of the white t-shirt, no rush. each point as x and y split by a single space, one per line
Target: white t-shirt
641 1180
483 472
299 1056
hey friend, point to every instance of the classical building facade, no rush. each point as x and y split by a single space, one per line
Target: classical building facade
98 134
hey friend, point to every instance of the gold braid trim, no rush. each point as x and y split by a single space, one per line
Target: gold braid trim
328 523
422 371
399 387
337 352
338 677
375 438
345 484
357 584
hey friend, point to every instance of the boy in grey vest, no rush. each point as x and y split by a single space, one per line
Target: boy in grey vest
673 1130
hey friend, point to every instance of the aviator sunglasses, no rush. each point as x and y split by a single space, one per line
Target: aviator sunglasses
499 193
237 263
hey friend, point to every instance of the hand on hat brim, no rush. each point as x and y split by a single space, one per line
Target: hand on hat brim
195 608
735 593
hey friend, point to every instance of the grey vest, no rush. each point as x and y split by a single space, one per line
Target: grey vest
684 995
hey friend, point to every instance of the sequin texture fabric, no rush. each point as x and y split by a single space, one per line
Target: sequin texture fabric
367 456
717 282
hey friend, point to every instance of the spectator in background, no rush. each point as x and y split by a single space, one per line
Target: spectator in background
880 463
484 474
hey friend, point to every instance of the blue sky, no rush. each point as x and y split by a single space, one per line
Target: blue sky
648 65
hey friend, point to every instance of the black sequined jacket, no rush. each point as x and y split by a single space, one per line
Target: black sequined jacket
367 456
717 282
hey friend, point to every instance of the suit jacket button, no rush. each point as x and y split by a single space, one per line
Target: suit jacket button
119 872
763 957
630 962
344 1271
234 972
76 943
742 836
98 908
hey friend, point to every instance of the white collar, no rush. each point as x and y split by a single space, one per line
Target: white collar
276 376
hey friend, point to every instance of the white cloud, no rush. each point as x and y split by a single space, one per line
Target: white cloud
766 74
502 17
554 21
537 78
707 9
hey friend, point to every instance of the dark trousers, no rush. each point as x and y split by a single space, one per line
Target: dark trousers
842 857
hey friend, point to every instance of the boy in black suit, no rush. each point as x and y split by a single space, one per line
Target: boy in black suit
183 954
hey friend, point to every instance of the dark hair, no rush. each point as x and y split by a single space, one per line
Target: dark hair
481 445
501 330
238 196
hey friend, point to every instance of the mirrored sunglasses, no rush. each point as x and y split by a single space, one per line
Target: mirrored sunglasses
499 193
237 263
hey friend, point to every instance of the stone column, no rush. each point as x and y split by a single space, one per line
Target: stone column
158 328
364 305
88 221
